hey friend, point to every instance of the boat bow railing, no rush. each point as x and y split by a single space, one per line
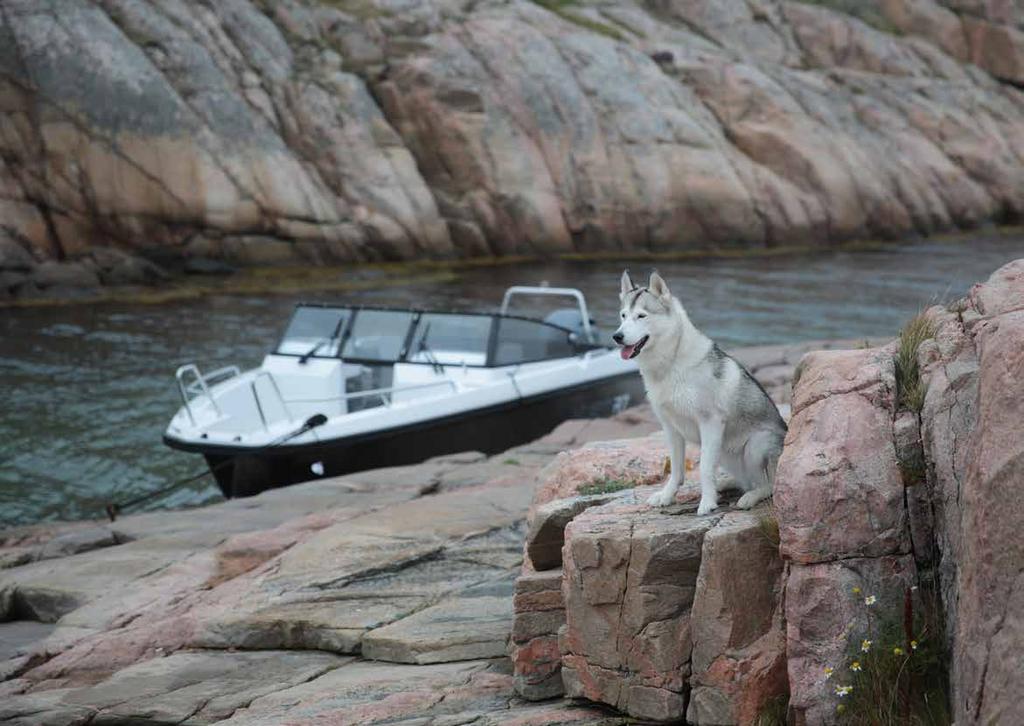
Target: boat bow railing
277 390
200 385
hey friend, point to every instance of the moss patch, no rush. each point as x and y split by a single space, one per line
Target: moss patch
605 486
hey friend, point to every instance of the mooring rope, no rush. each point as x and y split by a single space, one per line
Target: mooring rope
114 508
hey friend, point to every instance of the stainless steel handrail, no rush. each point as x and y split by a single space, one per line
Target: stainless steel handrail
553 292
226 372
382 392
179 376
277 390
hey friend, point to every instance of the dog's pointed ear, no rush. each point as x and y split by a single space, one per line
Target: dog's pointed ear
658 287
627 284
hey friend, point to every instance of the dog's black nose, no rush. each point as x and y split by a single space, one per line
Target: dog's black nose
618 337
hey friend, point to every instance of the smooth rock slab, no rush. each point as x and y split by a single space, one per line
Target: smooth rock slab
337 626
365 692
453 630
197 687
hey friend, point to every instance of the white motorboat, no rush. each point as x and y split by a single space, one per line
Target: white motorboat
350 388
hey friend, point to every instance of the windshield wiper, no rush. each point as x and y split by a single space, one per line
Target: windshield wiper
323 341
431 358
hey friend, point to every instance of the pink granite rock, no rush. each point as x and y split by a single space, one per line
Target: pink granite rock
739 648
539 614
624 463
826 620
825 373
630 578
988 670
838 490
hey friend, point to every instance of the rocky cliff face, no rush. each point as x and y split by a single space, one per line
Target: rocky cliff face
365 129
881 506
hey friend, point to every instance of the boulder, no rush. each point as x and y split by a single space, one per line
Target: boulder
738 663
14 257
630 578
539 615
603 466
838 489
546 527
65 275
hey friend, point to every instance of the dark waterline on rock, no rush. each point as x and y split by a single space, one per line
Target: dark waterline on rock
87 391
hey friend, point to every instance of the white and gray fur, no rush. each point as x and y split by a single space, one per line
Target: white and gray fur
700 394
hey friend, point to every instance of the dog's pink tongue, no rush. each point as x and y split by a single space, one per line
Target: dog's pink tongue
626 351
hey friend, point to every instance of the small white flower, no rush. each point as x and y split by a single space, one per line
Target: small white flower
843 691
828 672
865 646
870 600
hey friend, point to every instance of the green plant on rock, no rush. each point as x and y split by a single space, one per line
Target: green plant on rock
896 675
605 486
910 389
769 525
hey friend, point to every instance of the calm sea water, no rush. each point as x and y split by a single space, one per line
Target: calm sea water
86 391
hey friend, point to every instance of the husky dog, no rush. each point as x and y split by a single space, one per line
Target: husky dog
699 394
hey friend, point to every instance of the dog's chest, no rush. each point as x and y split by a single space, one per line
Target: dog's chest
684 401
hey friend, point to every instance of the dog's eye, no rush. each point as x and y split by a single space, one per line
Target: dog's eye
622 315
641 315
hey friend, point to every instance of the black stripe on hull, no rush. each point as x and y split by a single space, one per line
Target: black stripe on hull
490 430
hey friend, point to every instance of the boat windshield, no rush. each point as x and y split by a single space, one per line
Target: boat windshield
378 336
451 339
314 329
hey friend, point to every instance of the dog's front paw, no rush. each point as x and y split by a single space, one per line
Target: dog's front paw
662 498
750 500
706 506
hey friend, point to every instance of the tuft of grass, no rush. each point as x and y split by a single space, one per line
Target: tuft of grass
563 9
910 389
774 712
896 688
899 677
605 486
769 525
511 462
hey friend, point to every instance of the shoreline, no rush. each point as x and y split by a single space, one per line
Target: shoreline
290 279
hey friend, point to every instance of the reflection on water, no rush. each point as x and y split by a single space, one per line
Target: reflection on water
86 391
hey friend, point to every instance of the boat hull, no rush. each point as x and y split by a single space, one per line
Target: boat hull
240 472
